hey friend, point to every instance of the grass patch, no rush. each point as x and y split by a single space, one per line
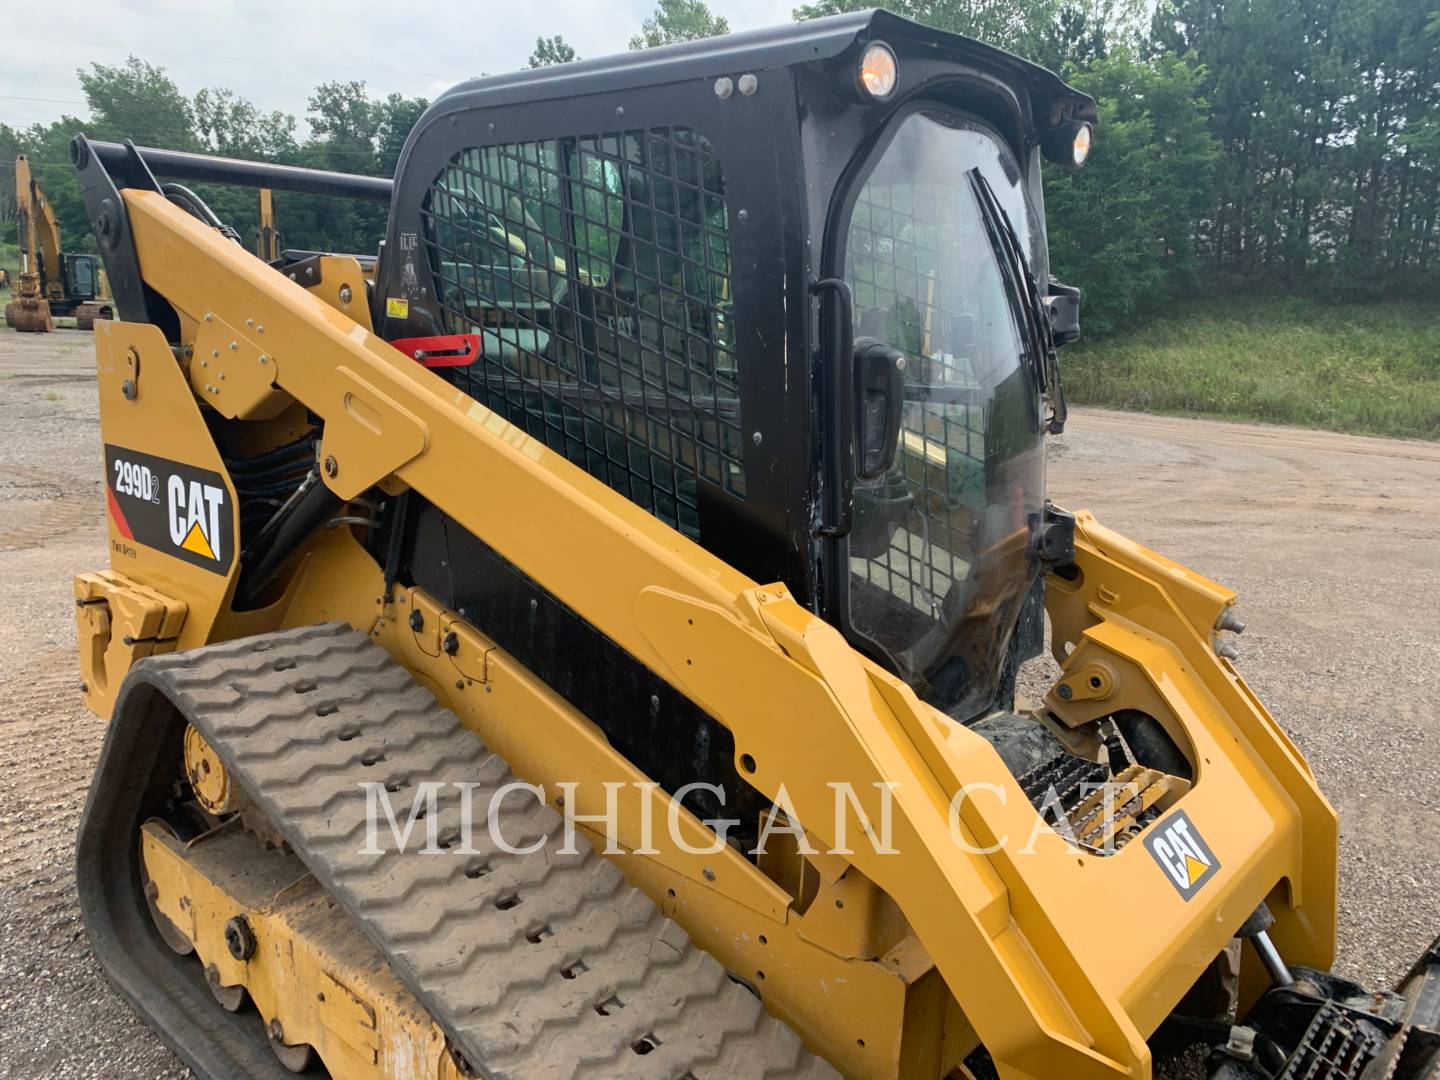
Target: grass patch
1371 368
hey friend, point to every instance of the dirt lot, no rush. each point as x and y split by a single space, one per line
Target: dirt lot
1333 543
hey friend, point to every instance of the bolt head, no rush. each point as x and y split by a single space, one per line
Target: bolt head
1064 692
331 466
345 294
128 389
239 938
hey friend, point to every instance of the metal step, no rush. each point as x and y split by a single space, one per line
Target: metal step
543 965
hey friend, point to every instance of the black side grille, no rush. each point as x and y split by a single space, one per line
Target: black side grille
1337 1046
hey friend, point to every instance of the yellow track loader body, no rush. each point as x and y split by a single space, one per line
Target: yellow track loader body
378 532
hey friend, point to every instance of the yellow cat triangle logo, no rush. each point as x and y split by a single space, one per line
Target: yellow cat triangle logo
1194 869
195 541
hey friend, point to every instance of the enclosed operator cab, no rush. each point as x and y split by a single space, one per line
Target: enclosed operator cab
788 291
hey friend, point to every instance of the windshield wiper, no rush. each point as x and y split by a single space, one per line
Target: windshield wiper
1025 296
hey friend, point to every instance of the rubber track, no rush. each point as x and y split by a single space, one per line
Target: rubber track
538 966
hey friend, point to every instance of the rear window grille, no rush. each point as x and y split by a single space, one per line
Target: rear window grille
597 272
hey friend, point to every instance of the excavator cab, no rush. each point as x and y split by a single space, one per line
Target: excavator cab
789 292
677 465
81 277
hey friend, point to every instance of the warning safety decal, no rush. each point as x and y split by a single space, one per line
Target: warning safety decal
173 507
1182 853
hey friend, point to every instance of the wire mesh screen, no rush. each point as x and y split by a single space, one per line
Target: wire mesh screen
597 272
914 289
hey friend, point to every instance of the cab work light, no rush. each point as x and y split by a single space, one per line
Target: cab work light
1068 143
878 71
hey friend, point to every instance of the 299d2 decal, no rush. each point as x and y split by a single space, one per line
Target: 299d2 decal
173 507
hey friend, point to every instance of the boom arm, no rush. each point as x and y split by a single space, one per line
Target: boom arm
39 232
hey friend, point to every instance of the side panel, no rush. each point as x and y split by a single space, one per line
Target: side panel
170 504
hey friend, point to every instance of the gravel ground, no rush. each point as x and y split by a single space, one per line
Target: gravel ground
1333 543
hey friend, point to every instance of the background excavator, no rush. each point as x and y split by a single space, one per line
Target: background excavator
267 235
655 527
51 282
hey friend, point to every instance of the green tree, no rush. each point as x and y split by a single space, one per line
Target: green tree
1327 181
1123 226
138 101
551 50
345 124
9 150
342 113
233 127
398 116
679 20
1019 26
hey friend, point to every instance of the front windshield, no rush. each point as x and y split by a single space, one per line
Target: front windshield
940 546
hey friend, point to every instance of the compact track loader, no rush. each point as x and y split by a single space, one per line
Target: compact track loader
581 639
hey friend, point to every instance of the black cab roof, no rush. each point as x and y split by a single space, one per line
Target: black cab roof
815 40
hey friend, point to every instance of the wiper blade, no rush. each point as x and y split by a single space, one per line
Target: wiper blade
1026 296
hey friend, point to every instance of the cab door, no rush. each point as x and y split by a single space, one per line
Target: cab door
932 562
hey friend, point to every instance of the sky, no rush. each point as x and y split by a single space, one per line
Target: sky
274 53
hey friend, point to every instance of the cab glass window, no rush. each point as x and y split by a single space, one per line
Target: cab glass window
939 550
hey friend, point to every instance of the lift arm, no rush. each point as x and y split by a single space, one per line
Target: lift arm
39 232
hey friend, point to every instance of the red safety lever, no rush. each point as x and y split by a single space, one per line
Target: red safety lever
447 350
